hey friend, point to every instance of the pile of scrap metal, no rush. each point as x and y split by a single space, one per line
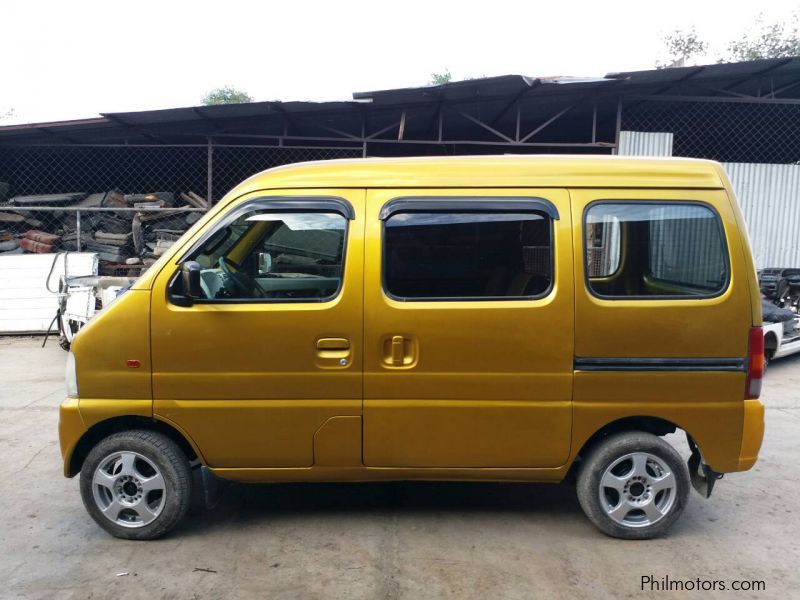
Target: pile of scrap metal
125 239
781 286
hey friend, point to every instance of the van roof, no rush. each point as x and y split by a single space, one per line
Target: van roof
492 171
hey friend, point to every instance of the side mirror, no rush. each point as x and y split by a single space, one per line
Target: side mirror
190 277
264 263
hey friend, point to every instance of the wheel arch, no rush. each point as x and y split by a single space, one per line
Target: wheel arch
655 425
103 429
770 342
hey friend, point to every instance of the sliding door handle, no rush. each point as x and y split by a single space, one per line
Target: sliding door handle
399 352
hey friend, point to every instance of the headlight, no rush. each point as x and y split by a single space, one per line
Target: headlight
72 376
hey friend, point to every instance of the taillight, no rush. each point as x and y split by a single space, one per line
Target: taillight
755 364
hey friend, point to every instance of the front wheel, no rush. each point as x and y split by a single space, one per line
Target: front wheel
633 485
136 484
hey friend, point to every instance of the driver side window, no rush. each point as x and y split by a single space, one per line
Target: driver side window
277 256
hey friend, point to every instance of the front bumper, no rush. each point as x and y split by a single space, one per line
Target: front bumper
70 430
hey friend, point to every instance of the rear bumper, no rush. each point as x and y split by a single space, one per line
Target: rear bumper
752 434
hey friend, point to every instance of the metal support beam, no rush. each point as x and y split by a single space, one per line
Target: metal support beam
387 128
730 93
383 130
364 134
501 144
209 171
402 129
513 102
555 117
721 99
666 88
285 132
758 74
618 126
135 128
780 90
287 119
340 132
357 144
484 125
58 136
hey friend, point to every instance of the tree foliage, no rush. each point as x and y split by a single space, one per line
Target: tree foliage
226 95
681 46
441 78
766 40
777 39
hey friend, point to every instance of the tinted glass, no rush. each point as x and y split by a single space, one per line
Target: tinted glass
467 255
602 246
655 249
274 256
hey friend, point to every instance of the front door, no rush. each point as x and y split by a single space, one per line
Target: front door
468 328
253 369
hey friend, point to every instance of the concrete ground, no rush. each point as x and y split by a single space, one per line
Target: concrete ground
396 540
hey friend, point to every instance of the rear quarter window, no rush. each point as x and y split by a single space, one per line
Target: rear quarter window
654 250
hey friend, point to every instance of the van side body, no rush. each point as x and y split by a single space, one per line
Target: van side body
379 379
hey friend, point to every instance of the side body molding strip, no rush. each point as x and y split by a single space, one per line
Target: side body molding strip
659 364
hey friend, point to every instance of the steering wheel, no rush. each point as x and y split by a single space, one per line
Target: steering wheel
246 284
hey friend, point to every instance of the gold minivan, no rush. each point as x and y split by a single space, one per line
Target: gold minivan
500 318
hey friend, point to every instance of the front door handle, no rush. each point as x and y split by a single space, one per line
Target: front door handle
333 344
333 352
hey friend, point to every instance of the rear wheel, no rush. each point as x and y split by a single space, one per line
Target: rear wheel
633 485
136 484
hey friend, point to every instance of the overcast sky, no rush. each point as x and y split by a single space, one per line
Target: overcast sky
74 59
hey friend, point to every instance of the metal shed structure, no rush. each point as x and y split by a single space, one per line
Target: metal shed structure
741 113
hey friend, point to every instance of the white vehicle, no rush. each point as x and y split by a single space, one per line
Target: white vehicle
781 339
80 298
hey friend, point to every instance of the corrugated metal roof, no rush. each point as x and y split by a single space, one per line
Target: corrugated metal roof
487 98
747 71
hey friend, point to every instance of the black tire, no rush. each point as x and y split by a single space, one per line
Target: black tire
613 448
170 461
63 342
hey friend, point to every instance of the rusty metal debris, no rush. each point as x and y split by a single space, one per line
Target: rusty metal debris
128 232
